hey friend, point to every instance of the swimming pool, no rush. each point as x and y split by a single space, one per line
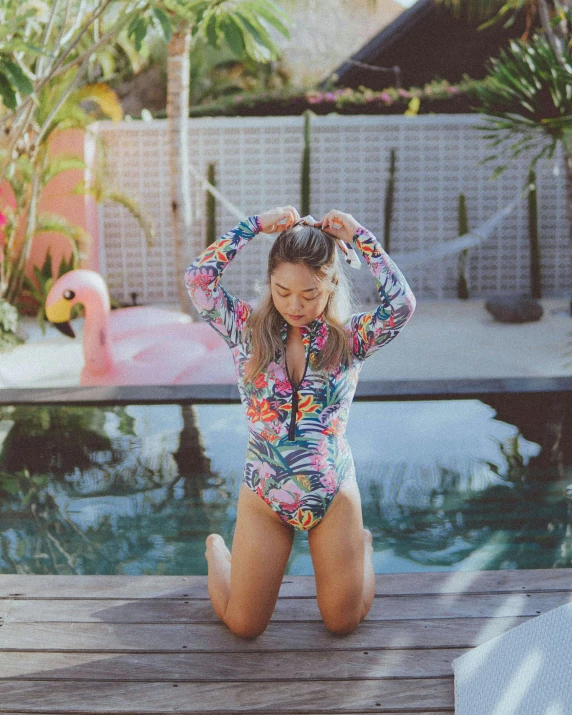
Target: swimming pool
446 485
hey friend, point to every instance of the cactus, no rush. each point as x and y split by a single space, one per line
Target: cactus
305 170
210 208
535 268
388 208
462 287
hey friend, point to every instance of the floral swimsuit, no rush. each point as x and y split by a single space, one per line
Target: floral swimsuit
298 456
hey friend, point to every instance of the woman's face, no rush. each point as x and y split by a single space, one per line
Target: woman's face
297 294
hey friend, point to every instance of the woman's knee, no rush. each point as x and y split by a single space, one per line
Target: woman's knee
246 628
342 614
341 623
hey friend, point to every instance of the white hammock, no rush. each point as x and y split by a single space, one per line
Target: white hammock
467 240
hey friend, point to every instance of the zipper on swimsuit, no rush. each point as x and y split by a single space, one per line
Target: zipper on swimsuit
292 426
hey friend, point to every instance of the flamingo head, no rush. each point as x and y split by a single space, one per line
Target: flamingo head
79 286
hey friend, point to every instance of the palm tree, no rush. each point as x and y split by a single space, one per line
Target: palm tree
526 95
243 26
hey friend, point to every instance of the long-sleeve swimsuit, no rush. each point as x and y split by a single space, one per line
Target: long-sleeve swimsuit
297 456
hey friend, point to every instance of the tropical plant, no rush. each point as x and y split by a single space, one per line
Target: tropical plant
87 39
88 36
463 222
527 94
28 176
44 281
389 201
43 91
305 183
8 326
534 243
435 96
210 206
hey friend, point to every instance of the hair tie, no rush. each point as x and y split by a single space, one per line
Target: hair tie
350 256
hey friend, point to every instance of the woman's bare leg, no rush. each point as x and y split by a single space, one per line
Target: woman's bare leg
243 587
341 552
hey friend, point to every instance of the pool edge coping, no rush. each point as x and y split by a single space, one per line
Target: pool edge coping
227 394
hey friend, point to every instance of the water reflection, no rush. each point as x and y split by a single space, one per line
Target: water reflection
135 490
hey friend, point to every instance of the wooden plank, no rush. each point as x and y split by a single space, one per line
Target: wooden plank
391 584
307 712
36 586
292 697
431 633
282 665
291 609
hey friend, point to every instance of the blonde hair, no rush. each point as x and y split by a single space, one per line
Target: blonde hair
312 247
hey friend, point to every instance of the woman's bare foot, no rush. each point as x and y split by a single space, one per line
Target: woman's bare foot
216 542
368 536
369 575
218 581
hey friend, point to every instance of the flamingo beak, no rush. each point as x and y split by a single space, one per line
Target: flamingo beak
58 314
65 328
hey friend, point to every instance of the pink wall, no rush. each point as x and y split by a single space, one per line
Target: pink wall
57 198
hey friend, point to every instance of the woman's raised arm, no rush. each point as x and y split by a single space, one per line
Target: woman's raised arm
372 330
224 312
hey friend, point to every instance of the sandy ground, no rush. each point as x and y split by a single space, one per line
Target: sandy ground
443 339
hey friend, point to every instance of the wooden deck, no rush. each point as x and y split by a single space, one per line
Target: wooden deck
152 644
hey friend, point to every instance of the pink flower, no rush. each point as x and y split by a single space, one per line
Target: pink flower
241 314
3 219
329 481
385 98
321 341
318 462
282 386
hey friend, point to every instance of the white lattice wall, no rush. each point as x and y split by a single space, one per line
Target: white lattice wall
258 167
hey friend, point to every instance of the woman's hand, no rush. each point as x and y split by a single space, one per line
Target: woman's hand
339 224
278 219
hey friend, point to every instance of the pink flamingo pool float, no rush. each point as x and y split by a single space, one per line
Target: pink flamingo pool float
139 345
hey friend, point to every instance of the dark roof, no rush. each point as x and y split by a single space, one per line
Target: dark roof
427 42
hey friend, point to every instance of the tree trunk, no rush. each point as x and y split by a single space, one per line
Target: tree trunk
178 68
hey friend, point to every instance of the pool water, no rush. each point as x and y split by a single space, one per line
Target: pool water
446 485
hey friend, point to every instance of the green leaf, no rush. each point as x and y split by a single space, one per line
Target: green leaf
164 22
77 236
233 34
19 80
210 30
59 164
259 45
7 93
137 30
270 12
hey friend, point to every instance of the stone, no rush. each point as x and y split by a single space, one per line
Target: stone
520 308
